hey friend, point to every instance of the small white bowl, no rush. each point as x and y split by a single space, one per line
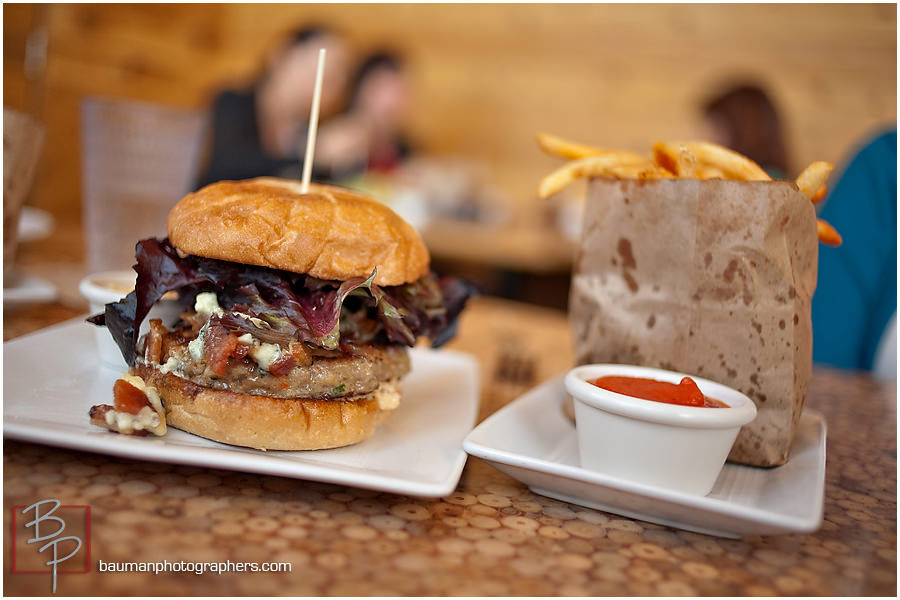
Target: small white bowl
111 286
669 446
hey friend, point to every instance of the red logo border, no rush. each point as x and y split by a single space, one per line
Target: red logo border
87 533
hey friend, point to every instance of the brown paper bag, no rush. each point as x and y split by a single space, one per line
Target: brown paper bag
713 278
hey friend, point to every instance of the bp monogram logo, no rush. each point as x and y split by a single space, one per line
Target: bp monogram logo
50 537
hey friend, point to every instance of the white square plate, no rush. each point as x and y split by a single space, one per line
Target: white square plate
25 288
53 377
531 440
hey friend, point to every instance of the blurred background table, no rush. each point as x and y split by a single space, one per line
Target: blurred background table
492 536
530 249
526 262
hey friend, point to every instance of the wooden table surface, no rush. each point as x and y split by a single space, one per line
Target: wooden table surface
491 536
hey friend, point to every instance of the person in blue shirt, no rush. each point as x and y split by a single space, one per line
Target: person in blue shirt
855 304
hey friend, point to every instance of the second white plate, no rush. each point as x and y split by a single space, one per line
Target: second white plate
25 288
532 441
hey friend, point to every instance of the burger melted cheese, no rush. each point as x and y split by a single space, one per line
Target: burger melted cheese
299 312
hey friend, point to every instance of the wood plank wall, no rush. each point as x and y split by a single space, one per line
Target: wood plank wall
487 77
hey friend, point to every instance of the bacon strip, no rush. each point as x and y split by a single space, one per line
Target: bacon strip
219 346
129 399
153 344
283 365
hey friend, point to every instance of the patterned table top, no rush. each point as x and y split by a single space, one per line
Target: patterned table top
492 536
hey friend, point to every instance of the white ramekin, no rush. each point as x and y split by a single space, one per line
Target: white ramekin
111 286
680 448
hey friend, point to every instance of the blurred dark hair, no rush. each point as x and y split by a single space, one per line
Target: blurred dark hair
376 61
297 37
750 121
305 34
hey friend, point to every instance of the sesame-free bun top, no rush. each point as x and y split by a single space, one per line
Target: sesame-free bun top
329 233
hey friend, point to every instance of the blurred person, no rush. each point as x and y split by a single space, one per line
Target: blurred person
369 136
854 309
262 130
745 119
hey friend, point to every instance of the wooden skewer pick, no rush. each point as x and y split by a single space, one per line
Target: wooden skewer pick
313 124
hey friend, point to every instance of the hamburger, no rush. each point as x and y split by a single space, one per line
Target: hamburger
299 310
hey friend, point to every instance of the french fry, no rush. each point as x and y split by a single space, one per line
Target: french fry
589 166
733 164
665 157
813 178
675 159
817 197
681 159
827 234
637 171
687 163
557 146
709 172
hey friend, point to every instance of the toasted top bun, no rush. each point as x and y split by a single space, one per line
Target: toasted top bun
330 233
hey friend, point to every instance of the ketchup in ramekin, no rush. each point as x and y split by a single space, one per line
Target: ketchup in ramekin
685 393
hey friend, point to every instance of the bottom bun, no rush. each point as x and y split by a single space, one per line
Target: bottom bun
268 423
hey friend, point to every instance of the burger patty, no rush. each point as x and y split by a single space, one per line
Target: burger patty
328 375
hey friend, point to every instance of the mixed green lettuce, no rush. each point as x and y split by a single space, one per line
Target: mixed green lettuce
281 307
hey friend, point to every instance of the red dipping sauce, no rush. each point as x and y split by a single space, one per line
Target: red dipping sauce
685 393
